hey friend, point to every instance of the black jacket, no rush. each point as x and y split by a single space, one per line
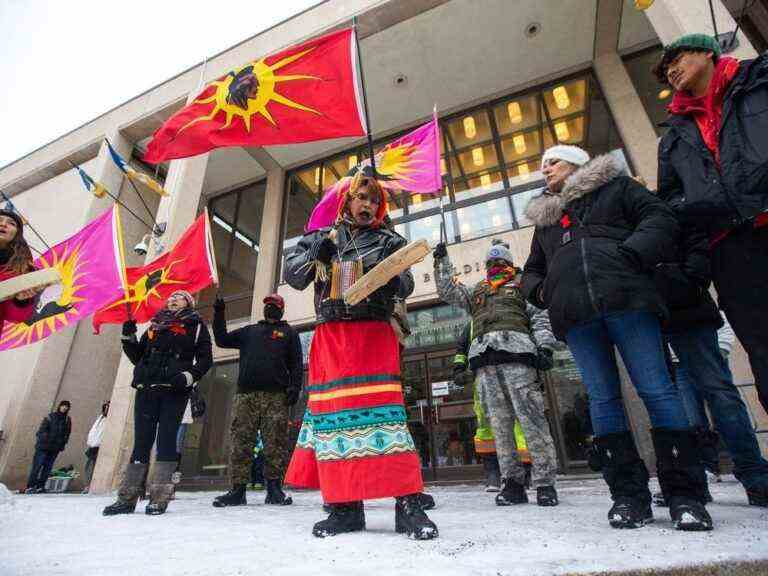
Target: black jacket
714 199
599 259
53 433
158 357
683 281
372 245
270 354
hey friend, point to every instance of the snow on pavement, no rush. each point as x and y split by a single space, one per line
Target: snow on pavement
67 535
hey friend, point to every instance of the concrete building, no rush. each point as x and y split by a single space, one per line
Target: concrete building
509 79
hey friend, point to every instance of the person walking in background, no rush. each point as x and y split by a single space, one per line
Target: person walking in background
268 383
511 342
171 356
598 236
52 437
713 169
92 444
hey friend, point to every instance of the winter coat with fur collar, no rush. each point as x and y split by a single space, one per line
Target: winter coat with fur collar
595 246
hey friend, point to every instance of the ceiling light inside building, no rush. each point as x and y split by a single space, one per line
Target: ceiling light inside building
562 100
562 132
485 181
515 112
478 158
523 171
416 199
352 162
469 127
317 176
664 94
443 166
519 143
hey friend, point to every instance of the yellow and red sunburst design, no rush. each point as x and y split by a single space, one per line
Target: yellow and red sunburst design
56 307
146 286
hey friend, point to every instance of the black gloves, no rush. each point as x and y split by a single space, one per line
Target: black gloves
291 396
181 382
325 250
441 251
544 360
219 305
129 328
463 378
197 403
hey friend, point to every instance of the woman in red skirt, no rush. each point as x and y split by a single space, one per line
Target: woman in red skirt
354 443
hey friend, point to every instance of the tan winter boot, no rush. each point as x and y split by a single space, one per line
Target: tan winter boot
160 488
129 491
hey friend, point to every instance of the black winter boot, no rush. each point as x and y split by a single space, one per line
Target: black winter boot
627 478
128 494
235 497
546 496
275 494
682 478
511 493
411 520
758 495
427 501
492 473
346 517
161 488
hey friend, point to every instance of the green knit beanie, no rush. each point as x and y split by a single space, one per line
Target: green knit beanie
695 42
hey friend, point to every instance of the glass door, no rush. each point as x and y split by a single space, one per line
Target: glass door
419 410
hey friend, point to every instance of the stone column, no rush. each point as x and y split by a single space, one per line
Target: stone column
674 18
179 209
270 240
44 385
632 121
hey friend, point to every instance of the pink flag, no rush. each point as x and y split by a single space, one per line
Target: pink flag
92 272
410 163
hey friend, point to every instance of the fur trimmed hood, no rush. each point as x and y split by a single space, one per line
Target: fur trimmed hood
546 209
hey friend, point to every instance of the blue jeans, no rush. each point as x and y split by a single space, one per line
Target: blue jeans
692 399
42 464
637 335
710 378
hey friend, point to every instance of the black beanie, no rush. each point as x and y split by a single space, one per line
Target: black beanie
65 403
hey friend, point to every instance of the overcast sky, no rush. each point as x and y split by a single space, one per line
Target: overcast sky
64 62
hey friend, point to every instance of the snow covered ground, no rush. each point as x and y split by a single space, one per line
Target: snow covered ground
66 534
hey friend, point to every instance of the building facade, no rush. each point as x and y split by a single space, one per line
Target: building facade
509 79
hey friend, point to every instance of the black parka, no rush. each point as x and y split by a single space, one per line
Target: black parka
53 433
720 199
372 245
595 246
159 356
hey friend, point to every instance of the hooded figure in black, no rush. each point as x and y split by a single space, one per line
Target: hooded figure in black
52 437
599 234
170 358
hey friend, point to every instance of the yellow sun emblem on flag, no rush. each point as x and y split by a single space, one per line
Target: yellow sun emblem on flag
56 304
146 286
250 91
396 162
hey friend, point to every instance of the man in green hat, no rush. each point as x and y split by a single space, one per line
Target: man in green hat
713 170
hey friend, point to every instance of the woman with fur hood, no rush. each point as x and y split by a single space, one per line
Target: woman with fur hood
599 234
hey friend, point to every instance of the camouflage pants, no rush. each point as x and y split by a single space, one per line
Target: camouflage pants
510 391
254 412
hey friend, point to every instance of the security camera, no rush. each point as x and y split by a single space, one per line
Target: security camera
143 246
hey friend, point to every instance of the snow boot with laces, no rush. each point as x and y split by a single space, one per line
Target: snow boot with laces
511 493
235 497
161 489
344 517
275 494
682 478
130 488
546 496
627 478
410 518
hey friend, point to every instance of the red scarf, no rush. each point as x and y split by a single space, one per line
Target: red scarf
707 110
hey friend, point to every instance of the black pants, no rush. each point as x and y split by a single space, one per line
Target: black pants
42 464
740 274
156 414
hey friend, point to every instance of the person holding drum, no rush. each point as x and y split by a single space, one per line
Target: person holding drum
354 443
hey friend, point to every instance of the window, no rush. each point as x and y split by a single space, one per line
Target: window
490 156
235 227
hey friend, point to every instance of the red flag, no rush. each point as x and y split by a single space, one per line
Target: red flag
188 266
305 93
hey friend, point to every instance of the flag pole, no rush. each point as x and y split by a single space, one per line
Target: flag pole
121 250
365 97
443 230
211 253
26 220
117 201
